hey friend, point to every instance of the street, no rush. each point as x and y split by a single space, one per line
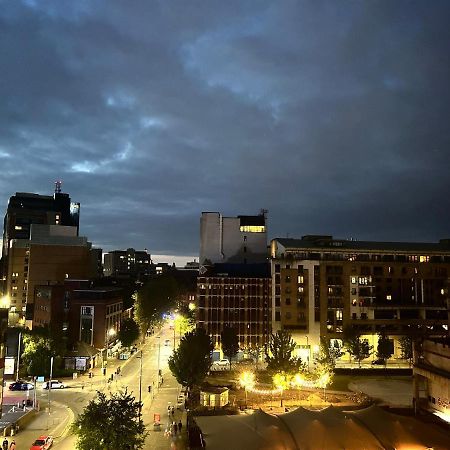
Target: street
69 402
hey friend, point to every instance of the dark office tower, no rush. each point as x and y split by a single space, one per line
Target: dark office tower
25 209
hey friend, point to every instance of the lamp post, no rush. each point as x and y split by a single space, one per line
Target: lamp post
140 386
18 356
159 359
108 335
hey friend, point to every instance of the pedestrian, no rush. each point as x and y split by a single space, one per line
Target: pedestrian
174 428
180 426
24 404
173 411
5 444
13 445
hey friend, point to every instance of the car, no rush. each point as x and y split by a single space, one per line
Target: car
221 363
42 443
56 384
378 362
21 386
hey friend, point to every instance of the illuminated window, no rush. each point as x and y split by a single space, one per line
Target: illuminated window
353 280
339 314
253 228
442 291
14 288
388 297
363 280
300 279
424 259
18 227
354 302
300 289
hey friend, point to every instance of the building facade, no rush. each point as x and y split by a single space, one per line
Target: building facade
234 240
130 262
236 296
25 209
320 285
432 377
95 316
52 254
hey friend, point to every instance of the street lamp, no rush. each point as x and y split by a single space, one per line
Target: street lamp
159 360
247 381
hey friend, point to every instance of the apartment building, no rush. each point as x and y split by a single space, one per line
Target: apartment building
130 262
321 284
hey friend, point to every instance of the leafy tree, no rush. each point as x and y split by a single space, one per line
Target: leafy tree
191 361
108 423
39 345
385 348
36 355
279 354
327 355
255 352
129 332
157 296
183 324
358 348
230 342
406 348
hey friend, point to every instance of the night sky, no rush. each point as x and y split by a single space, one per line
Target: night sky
333 115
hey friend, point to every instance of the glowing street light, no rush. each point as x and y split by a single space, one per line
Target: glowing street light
247 381
5 302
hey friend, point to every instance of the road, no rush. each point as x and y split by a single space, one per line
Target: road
79 392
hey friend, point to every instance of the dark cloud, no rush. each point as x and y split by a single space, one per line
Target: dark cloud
332 116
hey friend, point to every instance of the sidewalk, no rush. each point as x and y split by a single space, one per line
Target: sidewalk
167 395
55 424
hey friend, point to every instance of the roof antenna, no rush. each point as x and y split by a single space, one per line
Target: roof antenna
58 185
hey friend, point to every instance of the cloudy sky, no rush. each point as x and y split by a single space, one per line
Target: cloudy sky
332 115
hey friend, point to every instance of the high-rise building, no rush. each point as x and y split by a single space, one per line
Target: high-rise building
236 240
128 262
320 285
25 209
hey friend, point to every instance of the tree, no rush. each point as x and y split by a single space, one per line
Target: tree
406 348
358 348
230 342
183 324
385 348
327 355
255 352
39 345
112 422
157 296
129 332
191 361
279 354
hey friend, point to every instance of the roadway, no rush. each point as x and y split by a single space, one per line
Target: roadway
80 391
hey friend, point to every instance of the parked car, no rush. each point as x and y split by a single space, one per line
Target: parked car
221 363
42 443
56 384
378 362
21 386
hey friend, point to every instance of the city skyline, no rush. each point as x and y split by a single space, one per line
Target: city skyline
151 115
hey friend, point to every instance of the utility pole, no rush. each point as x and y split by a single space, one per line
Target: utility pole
140 388
159 358
50 384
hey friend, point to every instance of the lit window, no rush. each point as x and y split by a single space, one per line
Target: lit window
424 259
353 280
363 280
14 288
300 279
18 227
442 291
253 228
388 297
300 289
354 302
339 314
